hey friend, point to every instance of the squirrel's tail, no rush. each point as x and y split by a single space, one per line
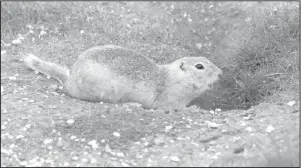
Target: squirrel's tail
58 72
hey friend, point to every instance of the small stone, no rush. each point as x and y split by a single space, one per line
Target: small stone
75 158
23 163
113 158
31 101
124 164
168 127
174 158
19 136
12 78
17 41
82 32
29 26
3 52
93 144
3 127
211 112
108 149
42 33
269 128
238 150
291 103
218 110
199 46
47 141
70 121
120 154
103 141
159 140
249 129
72 137
84 160
116 134
4 111
243 124
92 160
212 124
247 118
66 164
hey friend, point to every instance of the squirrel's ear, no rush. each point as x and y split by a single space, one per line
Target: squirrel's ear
182 66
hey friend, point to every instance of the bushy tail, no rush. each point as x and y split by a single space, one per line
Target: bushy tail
58 72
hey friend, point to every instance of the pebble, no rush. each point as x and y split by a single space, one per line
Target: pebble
47 141
16 42
120 154
72 137
243 124
84 160
174 158
93 144
19 136
212 124
250 129
168 127
75 158
124 164
3 52
12 78
23 163
270 128
291 103
92 160
70 121
116 134
108 149
159 140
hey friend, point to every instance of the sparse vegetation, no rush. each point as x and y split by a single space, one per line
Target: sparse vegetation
256 45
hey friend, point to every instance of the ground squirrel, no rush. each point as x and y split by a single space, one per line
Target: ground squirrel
115 74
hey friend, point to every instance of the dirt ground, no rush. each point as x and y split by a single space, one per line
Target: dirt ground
40 126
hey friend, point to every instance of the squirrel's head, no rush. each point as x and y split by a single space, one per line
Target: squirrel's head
196 71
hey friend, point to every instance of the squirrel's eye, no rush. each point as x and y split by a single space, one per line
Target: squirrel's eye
199 66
